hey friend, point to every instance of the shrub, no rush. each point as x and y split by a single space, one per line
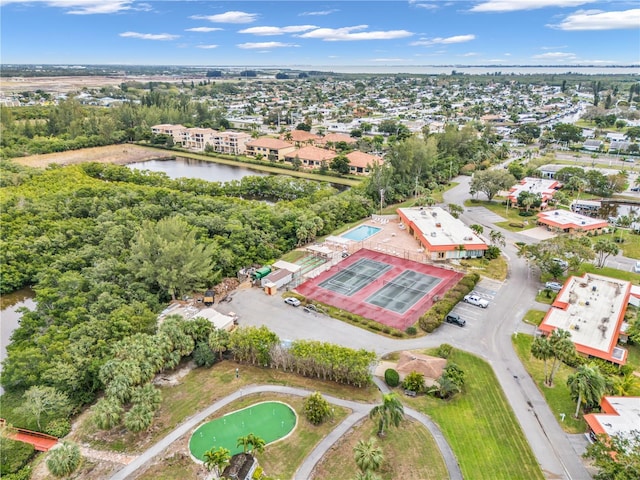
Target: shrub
64 459
386 329
14 455
444 350
58 428
411 330
316 408
414 382
516 224
391 377
397 333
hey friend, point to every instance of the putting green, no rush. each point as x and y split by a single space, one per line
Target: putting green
270 421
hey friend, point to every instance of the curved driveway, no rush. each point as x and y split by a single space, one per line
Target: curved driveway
359 411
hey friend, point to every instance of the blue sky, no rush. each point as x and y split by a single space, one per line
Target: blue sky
309 32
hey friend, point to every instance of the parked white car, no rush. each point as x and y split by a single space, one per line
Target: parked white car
476 300
555 286
636 267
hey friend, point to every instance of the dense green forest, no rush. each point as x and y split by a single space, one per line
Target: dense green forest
105 248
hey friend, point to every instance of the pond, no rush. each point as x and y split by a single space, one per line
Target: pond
10 317
183 167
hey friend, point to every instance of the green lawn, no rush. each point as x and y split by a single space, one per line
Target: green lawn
410 453
610 272
558 396
631 245
534 317
480 425
510 214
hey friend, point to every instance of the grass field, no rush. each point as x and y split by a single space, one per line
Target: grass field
410 453
558 396
200 388
480 425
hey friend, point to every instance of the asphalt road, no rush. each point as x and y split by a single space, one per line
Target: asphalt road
487 334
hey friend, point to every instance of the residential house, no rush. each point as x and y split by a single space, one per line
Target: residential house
592 145
177 132
300 137
271 148
311 157
441 236
360 163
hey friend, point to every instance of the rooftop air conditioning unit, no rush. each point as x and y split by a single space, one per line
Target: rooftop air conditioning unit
438 225
433 234
422 212
434 214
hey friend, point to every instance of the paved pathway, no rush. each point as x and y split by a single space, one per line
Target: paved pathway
359 411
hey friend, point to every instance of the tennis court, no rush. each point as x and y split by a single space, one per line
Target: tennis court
402 292
355 277
387 289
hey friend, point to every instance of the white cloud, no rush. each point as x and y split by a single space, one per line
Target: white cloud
515 5
555 56
319 13
203 29
390 60
150 36
84 7
348 34
228 17
265 31
207 46
426 42
256 45
599 20
427 6
469 54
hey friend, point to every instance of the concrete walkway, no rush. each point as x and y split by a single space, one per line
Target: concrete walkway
359 412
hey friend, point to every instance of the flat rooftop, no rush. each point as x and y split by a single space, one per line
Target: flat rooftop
625 419
591 308
439 228
568 219
543 186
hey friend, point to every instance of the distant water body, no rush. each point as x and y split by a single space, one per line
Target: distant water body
472 70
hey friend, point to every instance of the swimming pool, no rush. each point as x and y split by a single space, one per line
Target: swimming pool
361 233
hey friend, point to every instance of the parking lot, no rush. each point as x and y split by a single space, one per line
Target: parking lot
475 316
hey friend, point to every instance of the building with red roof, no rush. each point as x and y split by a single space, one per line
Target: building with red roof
360 163
619 416
271 148
565 221
311 157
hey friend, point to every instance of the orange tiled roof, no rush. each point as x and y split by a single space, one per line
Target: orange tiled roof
363 160
268 142
312 153
301 136
335 138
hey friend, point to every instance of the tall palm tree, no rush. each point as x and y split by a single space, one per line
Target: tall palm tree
541 350
587 384
368 455
256 443
217 460
563 349
390 412
244 442
627 385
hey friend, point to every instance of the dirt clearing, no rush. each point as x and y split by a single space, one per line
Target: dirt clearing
117 154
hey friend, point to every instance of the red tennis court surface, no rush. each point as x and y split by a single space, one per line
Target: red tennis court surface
357 304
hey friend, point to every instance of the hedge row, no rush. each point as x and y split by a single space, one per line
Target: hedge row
434 317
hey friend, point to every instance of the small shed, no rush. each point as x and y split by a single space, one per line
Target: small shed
262 272
279 278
